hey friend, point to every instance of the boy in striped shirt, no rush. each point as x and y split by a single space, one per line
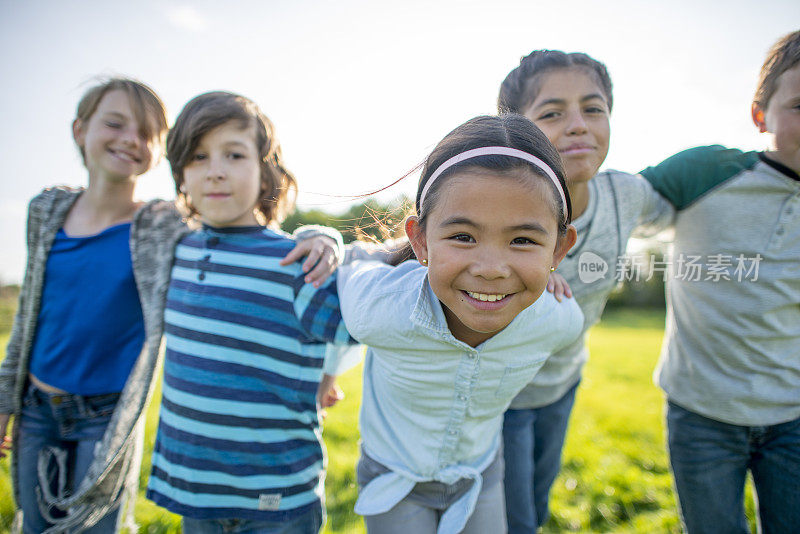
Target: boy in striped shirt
239 445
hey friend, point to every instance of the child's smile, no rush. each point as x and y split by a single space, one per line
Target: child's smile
111 140
487 265
484 297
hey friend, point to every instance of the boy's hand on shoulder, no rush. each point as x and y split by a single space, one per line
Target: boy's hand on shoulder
558 286
5 440
321 258
328 393
331 397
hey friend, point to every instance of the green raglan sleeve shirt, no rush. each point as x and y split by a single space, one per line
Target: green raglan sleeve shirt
732 341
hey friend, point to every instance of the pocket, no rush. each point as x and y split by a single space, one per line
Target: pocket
516 377
30 399
101 405
498 384
368 469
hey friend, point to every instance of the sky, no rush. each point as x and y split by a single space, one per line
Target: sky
361 91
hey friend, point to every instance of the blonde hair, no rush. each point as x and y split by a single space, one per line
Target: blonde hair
145 104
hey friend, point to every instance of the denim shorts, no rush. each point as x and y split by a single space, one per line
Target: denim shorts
64 429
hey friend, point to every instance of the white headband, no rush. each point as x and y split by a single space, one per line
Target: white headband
495 151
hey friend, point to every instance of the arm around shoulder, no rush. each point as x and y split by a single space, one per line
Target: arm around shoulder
652 212
310 231
643 212
688 175
371 251
366 288
318 310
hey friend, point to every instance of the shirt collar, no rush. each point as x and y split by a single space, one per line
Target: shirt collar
233 229
428 314
780 167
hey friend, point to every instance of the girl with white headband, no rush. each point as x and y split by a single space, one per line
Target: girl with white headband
456 333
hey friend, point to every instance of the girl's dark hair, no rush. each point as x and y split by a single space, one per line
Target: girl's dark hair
521 86
204 113
510 130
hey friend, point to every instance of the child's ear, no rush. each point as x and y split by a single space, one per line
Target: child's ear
416 236
158 155
758 117
563 245
78 133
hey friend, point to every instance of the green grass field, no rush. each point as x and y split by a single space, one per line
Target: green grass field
615 476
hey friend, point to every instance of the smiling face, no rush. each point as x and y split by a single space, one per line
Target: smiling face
571 109
222 179
113 142
489 260
782 119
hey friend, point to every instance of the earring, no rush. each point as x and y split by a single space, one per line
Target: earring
424 262
552 269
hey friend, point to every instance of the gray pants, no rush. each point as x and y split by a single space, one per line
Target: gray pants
421 509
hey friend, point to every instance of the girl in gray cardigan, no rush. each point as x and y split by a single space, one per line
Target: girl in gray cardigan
83 349
80 363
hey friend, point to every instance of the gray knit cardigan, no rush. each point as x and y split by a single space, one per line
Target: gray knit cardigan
114 472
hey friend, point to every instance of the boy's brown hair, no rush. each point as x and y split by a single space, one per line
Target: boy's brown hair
145 105
784 55
210 110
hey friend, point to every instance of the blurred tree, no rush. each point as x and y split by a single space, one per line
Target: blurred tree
642 285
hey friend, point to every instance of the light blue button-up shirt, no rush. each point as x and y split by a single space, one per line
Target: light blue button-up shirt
432 405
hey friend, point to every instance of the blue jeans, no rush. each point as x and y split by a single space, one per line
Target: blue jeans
710 460
309 523
71 423
532 442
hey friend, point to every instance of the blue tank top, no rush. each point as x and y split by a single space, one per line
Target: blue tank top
90 329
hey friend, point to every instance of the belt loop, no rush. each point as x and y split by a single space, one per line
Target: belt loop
32 397
82 405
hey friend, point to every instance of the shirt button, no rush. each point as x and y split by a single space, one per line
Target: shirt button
462 397
471 355
207 257
201 276
789 210
452 432
779 231
213 241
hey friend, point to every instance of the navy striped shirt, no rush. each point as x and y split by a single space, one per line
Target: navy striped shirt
238 435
